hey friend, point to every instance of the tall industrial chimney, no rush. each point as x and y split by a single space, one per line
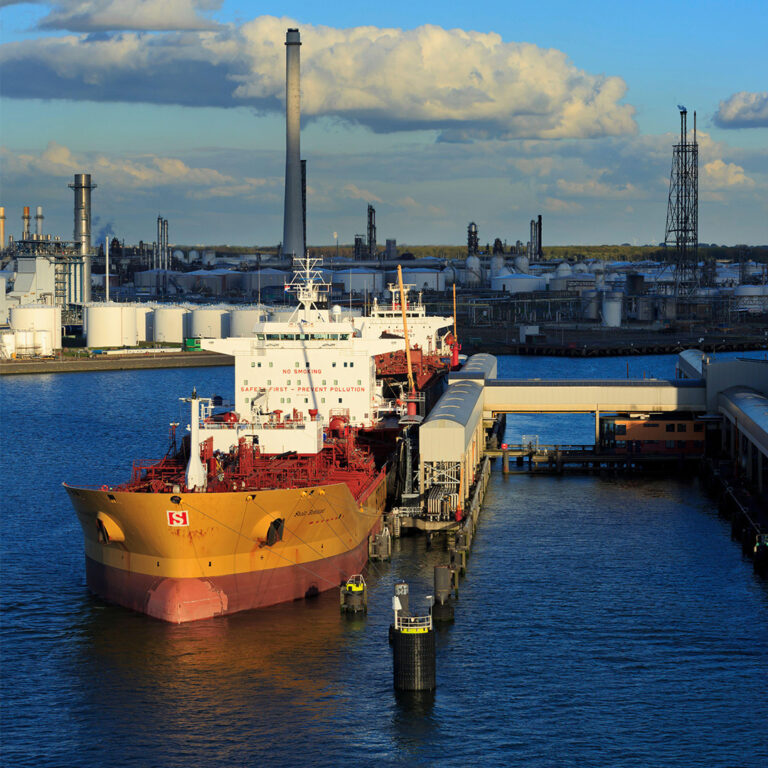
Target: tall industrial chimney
539 251
39 221
82 187
166 252
2 228
25 223
159 242
293 235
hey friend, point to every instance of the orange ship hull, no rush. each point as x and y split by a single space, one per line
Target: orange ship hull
193 556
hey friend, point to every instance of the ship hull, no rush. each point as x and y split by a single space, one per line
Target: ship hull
179 600
219 556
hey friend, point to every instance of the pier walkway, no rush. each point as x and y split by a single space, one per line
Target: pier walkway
452 438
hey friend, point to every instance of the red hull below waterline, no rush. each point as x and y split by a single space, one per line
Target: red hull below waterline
191 599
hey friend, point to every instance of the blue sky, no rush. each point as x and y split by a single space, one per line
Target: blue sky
436 113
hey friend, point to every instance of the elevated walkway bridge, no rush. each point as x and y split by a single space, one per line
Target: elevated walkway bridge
452 438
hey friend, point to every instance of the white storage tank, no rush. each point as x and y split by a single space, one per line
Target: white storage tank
25 343
591 305
422 279
209 323
7 345
612 301
522 264
357 280
497 265
749 298
169 324
515 283
449 275
474 275
563 269
38 317
43 346
129 329
253 282
104 325
143 322
234 281
242 321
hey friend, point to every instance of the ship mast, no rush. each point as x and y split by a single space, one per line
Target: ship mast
308 285
411 385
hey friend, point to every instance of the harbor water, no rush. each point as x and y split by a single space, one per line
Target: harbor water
603 621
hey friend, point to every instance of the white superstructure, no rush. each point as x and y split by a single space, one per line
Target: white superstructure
319 364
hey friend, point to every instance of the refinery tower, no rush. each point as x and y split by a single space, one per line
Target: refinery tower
293 227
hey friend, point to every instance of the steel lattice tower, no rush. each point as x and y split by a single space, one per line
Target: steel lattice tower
682 230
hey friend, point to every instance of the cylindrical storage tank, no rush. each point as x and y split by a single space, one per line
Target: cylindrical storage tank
449 275
143 322
421 279
612 301
128 325
25 343
7 345
43 346
169 324
497 265
357 280
104 325
208 323
749 298
591 304
233 282
193 255
243 321
38 317
474 271
413 660
522 264
514 283
209 257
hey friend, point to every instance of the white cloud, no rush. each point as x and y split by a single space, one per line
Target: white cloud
719 175
112 15
140 172
595 188
353 192
743 110
555 205
467 85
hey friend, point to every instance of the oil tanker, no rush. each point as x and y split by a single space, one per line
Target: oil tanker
274 497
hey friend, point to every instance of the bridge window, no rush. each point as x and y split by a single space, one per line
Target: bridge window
670 428
682 427
621 429
698 427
